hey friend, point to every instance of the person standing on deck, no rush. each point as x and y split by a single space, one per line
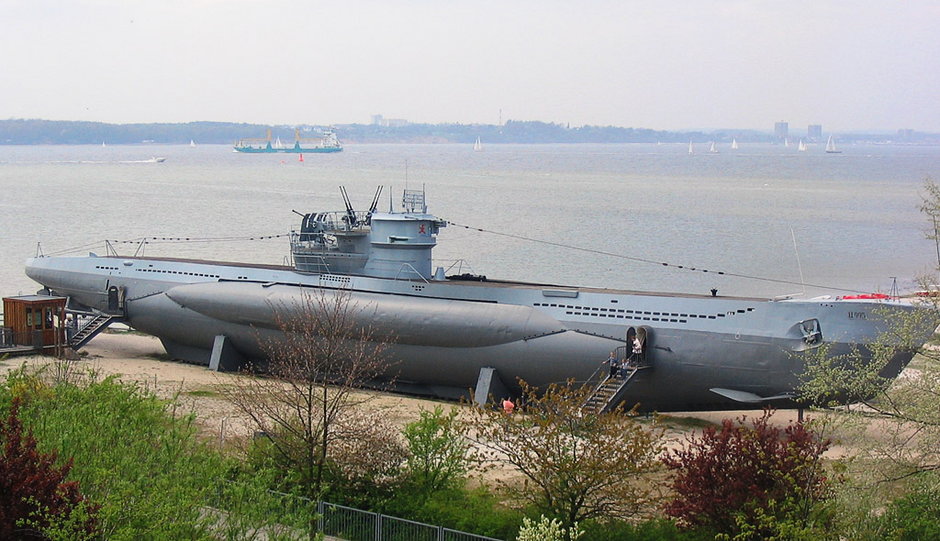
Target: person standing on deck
637 353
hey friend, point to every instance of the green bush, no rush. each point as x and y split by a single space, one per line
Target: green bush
471 510
651 530
134 455
34 493
916 515
250 507
438 451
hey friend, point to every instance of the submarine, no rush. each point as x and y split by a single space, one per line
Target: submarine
444 335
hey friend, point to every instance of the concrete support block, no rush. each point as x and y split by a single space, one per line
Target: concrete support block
224 356
489 384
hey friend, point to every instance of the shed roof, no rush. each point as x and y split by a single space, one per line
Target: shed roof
35 298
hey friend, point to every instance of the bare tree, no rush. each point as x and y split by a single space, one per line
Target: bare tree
316 361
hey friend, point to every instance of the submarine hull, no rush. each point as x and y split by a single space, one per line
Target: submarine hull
439 335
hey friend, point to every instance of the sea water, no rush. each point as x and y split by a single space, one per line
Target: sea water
764 220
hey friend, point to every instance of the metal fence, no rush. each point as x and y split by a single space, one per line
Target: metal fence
357 525
342 522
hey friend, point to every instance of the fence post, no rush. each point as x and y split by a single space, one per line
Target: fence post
378 527
320 510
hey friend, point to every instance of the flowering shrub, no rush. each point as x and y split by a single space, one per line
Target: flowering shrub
739 474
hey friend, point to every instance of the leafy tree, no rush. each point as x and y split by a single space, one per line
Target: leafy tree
438 452
748 478
576 466
33 489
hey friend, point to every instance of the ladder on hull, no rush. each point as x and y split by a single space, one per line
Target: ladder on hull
89 330
610 392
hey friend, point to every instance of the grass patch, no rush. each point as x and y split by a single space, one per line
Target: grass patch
128 330
671 421
205 393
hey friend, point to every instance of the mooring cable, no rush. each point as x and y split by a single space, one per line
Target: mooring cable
168 240
650 261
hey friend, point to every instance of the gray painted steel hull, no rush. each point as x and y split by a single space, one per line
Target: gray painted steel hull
443 333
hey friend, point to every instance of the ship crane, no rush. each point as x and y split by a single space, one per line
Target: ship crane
254 140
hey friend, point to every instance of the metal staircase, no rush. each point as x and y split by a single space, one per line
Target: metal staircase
90 329
610 392
631 357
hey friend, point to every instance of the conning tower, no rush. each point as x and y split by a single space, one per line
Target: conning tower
383 245
401 243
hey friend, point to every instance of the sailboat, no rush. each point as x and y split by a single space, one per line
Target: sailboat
802 147
691 151
477 146
831 147
713 149
734 144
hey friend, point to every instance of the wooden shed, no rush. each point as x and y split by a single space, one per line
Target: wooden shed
35 320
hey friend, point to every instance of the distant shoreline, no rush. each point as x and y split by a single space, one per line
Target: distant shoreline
62 132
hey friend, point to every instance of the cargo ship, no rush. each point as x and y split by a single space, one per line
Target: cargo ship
325 144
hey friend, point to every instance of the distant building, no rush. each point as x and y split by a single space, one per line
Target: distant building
814 132
782 130
379 120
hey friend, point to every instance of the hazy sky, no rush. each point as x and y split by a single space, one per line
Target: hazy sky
849 65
